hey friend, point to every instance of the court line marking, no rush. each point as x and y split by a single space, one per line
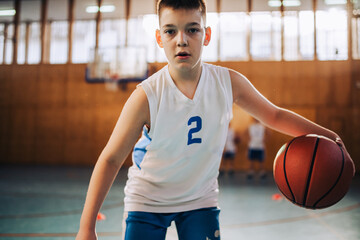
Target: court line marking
49 195
229 226
292 219
56 214
101 234
327 226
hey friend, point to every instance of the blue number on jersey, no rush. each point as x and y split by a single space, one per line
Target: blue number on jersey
197 128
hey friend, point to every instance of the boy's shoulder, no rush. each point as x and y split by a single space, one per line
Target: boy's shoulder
160 74
217 70
214 67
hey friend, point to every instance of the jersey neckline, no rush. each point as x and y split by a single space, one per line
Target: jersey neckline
199 87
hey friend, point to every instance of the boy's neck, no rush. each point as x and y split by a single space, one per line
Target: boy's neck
186 75
186 81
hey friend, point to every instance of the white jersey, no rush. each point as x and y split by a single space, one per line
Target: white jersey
257 134
180 163
230 141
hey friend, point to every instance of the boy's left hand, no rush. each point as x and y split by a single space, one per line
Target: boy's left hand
341 144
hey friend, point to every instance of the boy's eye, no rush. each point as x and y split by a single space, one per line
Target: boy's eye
169 31
193 30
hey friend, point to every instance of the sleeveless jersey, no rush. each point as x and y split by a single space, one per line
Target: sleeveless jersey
175 164
257 134
230 145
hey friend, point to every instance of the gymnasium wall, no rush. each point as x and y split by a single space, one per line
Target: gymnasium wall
49 115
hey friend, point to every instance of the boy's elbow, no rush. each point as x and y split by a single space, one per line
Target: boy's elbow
114 160
273 116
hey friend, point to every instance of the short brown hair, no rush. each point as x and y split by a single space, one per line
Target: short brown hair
182 4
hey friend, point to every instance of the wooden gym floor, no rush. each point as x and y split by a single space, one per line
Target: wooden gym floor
45 203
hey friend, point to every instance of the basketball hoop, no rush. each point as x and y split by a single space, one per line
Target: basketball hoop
117 66
111 83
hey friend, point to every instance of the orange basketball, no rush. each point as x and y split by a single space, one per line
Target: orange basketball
312 171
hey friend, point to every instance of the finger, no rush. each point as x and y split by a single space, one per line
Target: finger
339 142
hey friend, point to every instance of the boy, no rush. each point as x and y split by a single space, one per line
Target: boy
185 108
229 152
256 148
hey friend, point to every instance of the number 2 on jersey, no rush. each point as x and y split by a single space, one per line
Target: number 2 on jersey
198 125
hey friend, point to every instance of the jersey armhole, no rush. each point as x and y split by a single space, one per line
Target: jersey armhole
229 86
229 93
152 106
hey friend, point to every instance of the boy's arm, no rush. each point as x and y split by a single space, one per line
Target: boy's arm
279 119
126 132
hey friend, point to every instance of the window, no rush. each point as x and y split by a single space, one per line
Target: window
210 52
356 37
112 33
331 30
233 36
332 34
356 30
58 27
291 36
59 42
150 24
34 50
298 35
306 30
135 32
2 37
21 43
83 40
266 35
9 44
111 38
29 21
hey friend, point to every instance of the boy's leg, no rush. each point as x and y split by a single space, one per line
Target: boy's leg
199 224
251 170
262 164
230 168
145 226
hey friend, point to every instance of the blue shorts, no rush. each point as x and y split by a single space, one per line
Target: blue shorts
190 225
256 155
229 155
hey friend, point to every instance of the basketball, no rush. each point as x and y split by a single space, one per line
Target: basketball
312 171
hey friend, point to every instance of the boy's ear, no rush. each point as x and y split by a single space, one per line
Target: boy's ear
158 38
207 36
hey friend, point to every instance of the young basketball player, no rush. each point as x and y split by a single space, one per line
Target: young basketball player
256 148
184 111
229 153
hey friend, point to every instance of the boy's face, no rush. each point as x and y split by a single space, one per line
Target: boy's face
182 34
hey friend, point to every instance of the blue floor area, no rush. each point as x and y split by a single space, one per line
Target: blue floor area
46 203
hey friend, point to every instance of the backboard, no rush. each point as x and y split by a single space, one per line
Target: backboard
115 66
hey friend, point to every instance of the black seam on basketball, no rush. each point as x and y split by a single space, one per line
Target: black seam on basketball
293 201
286 179
310 171
337 180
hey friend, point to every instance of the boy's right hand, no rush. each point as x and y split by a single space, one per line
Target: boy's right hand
86 235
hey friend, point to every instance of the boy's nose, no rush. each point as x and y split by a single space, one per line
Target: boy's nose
182 39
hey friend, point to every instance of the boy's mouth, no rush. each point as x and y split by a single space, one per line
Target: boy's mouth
182 54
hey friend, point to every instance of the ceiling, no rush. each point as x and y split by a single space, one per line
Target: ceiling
58 9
